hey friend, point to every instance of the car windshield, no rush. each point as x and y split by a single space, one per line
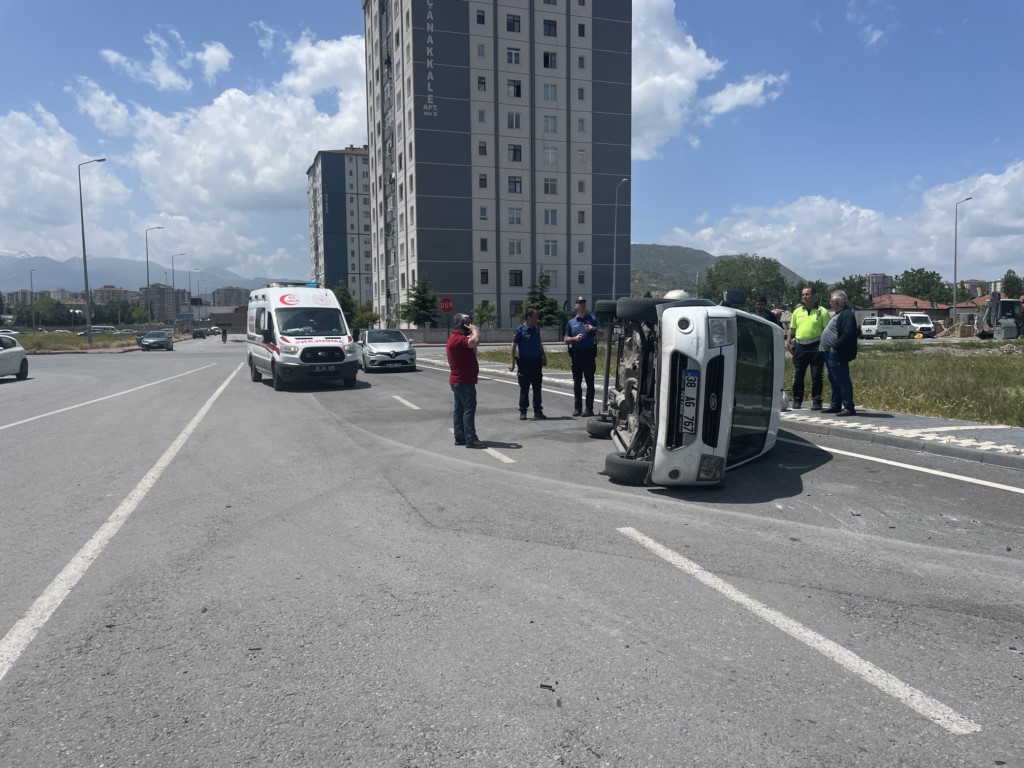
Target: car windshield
304 321
385 337
755 371
156 335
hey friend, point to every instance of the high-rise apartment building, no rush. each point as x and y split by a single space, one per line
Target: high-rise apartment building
338 192
499 149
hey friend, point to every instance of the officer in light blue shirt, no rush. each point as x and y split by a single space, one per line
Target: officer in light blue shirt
581 335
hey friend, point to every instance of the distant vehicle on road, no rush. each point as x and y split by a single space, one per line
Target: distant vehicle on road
885 328
198 333
13 361
9 332
385 349
100 329
157 340
920 323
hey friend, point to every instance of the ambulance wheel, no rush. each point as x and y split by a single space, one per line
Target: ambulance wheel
276 379
602 430
254 375
626 471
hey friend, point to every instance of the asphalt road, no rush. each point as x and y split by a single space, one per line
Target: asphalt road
199 571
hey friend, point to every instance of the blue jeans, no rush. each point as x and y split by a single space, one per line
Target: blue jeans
464 413
839 380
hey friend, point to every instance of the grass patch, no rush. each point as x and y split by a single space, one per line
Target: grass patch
64 342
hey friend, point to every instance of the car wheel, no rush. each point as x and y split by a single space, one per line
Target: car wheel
627 471
638 310
254 375
22 371
276 379
599 428
882 335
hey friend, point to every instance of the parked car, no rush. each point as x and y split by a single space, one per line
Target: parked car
157 340
13 360
920 323
697 389
8 332
198 333
885 328
385 349
100 329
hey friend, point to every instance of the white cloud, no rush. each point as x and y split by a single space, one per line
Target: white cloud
159 72
214 58
109 114
265 35
668 69
827 238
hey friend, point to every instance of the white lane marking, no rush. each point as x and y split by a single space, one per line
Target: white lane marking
493 452
901 465
22 633
925 430
513 382
406 403
105 397
934 710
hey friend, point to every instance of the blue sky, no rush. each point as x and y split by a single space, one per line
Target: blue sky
836 137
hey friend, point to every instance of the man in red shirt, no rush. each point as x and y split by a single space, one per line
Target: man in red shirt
465 370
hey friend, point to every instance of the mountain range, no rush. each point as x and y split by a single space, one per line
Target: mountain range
660 268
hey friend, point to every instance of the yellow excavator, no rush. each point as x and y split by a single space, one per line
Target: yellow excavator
1000 319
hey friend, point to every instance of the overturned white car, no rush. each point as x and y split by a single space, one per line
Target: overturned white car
698 389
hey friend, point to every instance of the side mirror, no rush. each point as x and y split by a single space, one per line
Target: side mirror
361 343
268 336
733 299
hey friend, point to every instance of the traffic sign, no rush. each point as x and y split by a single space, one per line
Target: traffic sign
447 304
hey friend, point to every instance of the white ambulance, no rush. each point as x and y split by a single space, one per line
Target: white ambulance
297 332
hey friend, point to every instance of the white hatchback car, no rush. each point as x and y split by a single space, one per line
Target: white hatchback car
13 360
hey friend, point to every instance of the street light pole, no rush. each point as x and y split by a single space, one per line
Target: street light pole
174 295
199 287
32 298
615 240
956 222
190 310
85 267
149 300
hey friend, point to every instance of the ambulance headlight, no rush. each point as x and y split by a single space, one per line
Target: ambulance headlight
711 468
721 331
289 349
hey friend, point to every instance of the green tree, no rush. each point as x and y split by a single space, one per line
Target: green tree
421 307
484 313
347 302
821 295
924 284
548 311
855 288
754 275
364 316
1012 285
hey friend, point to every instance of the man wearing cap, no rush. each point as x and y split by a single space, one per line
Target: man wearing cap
581 334
761 310
803 339
526 341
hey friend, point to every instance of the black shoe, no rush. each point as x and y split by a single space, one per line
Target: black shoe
588 412
538 415
460 442
847 412
795 405
522 415
831 409
476 444
816 405
577 412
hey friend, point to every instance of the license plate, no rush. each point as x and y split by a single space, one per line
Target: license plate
325 368
688 396
395 365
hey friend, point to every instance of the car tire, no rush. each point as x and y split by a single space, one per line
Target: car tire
275 379
604 309
22 373
254 375
626 471
641 310
599 428
882 335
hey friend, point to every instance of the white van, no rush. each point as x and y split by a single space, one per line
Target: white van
885 328
920 323
297 332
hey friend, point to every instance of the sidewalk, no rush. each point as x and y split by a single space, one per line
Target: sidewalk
969 440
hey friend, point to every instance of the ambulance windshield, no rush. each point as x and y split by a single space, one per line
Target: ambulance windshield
299 322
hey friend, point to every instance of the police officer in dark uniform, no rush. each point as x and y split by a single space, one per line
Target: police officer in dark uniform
526 341
581 334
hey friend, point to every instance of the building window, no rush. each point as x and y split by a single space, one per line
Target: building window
581 217
581 277
515 215
482 183
514 120
515 278
550 28
550 247
581 62
511 23
481 116
515 309
581 155
551 216
483 245
515 247
483 213
581 30
512 56
550 186
515 153
581 246
581 94
481 148
550 2
550 92
480 50
581 186
552 276
515 89
515 184
481 84
550 155
484 277
480 17
550 60
581 125
550 124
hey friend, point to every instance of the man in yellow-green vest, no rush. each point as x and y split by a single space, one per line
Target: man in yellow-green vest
802 340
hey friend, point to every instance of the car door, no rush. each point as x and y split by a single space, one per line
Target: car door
9 357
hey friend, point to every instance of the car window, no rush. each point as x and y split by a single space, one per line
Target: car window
385 337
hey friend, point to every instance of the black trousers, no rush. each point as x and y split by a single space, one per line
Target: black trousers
530 375
805 357
584 362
